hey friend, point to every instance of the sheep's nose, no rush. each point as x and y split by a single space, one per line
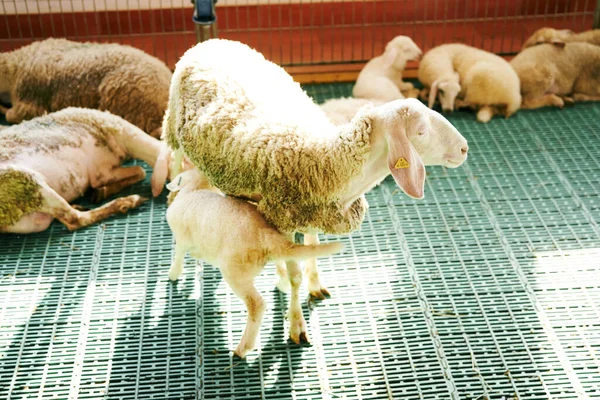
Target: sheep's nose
464 149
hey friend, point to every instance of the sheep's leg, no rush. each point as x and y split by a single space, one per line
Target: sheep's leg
243 287
58 208
21 111
584 97
424 94
120 178
3 110
315 288
550 99
177 266
460 103
298 328
283 282
412 93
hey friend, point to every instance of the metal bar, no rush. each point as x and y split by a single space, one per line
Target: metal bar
596 24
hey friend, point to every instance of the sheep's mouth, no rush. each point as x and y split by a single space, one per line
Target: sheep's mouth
454 163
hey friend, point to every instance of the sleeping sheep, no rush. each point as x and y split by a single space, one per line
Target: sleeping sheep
232 235
53 74
554 75
464 76
255 134
51 160
559 37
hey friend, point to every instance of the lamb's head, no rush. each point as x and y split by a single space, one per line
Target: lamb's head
417 136
399 50
187 181
446 90
556 37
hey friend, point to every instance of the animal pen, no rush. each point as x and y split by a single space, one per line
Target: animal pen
488 288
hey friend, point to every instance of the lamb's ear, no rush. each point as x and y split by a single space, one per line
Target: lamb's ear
433 93
176 183
405 164
389 56
160 171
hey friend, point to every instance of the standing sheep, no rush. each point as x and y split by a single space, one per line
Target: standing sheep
559 37
552 75
255 134
51 160
381 77
232 235
53 74
486 82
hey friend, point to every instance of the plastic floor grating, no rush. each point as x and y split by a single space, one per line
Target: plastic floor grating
487 288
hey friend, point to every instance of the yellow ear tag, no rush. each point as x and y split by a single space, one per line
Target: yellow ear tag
401 163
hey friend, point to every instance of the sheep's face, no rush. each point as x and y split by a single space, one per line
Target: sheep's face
447 92
437 141
548 35
400 50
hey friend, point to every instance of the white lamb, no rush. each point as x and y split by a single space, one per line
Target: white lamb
232 235
381 77
464 76
49 161
255 133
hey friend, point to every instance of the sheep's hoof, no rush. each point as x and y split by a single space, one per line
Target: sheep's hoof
568 101
412 93
320 294
79 207
298 331
240 352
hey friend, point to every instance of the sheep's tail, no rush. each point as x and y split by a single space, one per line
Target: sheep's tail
287 250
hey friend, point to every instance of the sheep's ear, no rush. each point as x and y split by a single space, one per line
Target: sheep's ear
405 164
433 93
160 171
558 43
175 184
389 56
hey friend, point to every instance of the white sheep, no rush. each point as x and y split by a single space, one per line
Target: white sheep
47 162
381 77
464 76
554 75
255 134
559 37
232 235
53 74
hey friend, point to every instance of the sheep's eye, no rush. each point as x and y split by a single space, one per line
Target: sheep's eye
420 133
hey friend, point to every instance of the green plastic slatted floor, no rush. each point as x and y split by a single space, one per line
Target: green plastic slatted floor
487 288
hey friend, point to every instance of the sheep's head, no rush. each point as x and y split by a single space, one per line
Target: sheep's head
446 91
417 136
400 50
548 35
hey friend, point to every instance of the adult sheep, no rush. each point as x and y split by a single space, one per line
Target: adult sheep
255 134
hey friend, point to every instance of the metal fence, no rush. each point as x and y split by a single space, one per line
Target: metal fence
294 32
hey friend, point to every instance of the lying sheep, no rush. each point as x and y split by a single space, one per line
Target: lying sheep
559 37
51 160
381 77
233 236
53 74
479 79
256 134
552 75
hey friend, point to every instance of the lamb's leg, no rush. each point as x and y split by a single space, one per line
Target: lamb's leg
424 94
21 111
550 99
585 97
315 288
298 328
177 265
283 282
243 286
58 208
3 110
120 178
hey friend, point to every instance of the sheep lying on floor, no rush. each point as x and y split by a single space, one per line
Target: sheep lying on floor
559 37
233 236
255 134
381 77
464 76
49 161
53 74
554 75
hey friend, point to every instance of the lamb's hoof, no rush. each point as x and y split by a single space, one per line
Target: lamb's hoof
412 93
298 331
320 294
558 102
568 101
241 352
79 207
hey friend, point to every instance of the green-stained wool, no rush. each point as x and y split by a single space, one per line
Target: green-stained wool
19 195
